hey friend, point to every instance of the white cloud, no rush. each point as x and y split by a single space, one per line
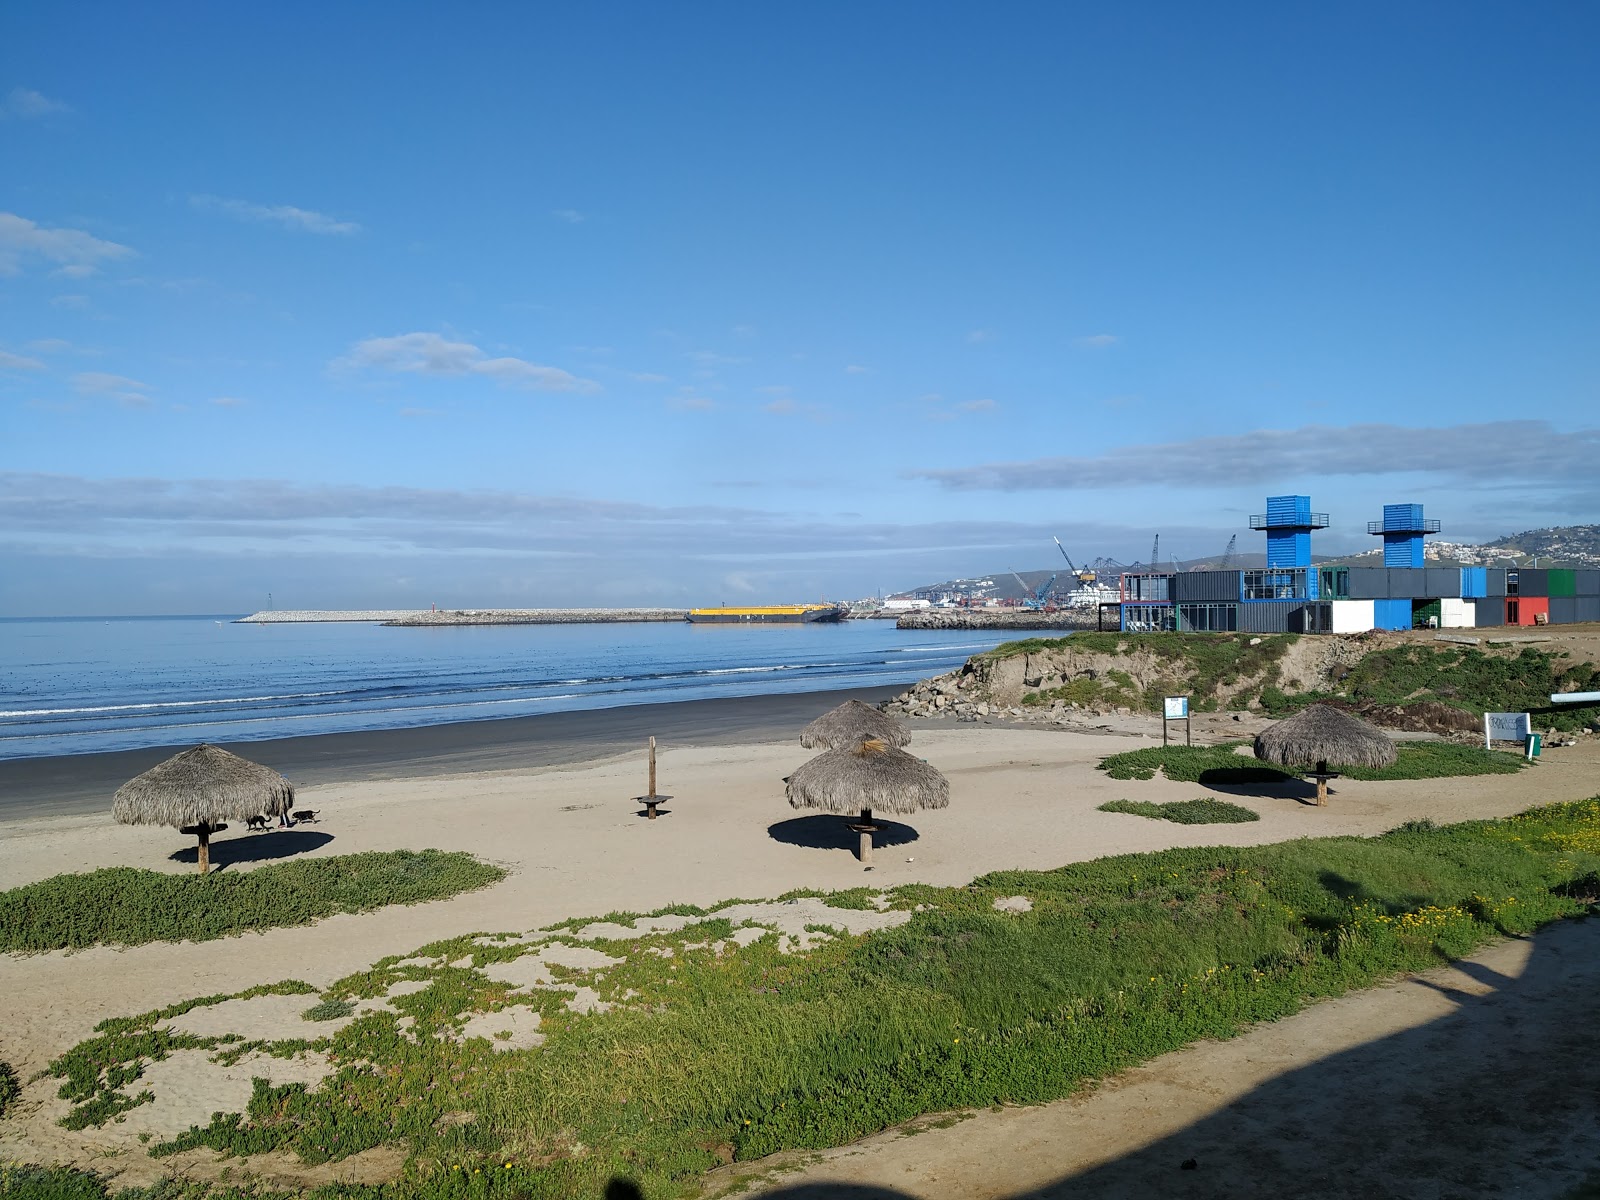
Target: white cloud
50 346
710 358
302 220
76 271
432 354
979 336
1096 341
570 215
693 403
781 406
852 369
16 362
647 377
75 301
983 405
21 238
125 391
1521 452
25 102
228 401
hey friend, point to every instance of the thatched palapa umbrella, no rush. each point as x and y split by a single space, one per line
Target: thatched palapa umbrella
197 790
871 774
851 724
1319 737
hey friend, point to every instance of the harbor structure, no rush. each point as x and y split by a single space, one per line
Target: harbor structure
782 614
1292 594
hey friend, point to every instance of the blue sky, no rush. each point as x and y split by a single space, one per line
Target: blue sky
384 305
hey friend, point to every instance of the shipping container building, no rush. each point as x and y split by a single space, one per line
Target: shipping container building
1457 613
1391 614
1351 616
1587 582
1474 583
1563 583
1491 611
1526 610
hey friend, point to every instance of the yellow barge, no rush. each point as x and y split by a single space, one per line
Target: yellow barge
779 614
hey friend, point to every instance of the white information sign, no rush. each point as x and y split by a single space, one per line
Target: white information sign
1506 727
1177 707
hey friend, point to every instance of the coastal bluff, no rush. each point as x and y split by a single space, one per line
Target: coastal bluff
408 618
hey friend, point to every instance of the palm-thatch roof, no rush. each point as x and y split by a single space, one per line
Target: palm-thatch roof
202 786
868 775
1320 736
851 724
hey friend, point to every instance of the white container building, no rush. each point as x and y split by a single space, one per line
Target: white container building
1352 616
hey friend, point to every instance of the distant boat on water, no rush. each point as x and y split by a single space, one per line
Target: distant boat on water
781 614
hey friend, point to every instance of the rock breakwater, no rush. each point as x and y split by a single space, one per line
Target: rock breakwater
1004 618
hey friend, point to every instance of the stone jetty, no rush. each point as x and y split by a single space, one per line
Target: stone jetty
409 618
998 618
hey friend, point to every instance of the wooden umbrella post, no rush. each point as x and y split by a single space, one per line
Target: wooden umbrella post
203 832
650 800
864 851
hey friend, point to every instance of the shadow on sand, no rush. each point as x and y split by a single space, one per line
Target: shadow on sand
825 831
256 847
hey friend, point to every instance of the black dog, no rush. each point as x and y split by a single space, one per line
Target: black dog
258 824
305 814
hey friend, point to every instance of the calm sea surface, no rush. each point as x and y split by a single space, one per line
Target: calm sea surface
78 685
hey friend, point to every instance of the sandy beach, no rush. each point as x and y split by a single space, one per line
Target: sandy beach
560 817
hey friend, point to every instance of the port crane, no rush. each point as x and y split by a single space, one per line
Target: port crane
1227 555
1083 575
1035 599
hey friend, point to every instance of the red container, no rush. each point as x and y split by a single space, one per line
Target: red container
1524 610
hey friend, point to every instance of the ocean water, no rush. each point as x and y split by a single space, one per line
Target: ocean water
80 685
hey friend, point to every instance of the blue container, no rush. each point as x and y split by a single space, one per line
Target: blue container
1474 582
1405 517
1288 510
1391 614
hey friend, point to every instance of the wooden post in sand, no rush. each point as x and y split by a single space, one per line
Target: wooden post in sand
650 800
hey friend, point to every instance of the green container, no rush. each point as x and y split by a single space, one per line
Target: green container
1535 744
1563 582
1422 610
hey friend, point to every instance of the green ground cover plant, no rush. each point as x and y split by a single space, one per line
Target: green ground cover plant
126 906
1221 764
1462 677
716 1049
9 1087
1205 810
1200 664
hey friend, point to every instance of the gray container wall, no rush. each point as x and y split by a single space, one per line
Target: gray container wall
1588 608
1533 582
1408 583
1442 581
1205 587
1369 583
1495 581
1489 612
1267 616
1563 610
1587 583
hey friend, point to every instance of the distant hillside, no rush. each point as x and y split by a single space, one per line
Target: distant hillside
1560 546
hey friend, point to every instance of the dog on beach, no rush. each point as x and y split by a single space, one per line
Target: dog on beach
304 814
256 824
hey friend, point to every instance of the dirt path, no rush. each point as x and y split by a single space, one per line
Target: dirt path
1475 1080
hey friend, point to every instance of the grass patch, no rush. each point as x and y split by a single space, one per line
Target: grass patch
125 906
1464 678
723 1049
1202 811
10 1088
1221 765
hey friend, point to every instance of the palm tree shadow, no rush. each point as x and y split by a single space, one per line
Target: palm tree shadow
284 843
827 831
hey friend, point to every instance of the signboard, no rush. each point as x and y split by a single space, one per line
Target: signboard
1176 707
1506 727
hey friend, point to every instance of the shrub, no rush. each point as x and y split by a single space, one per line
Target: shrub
9 1087
128 907
1202 811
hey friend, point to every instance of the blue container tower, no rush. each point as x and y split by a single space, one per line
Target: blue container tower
1403 527
1288 523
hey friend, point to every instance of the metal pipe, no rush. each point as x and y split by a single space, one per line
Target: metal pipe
1575 697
